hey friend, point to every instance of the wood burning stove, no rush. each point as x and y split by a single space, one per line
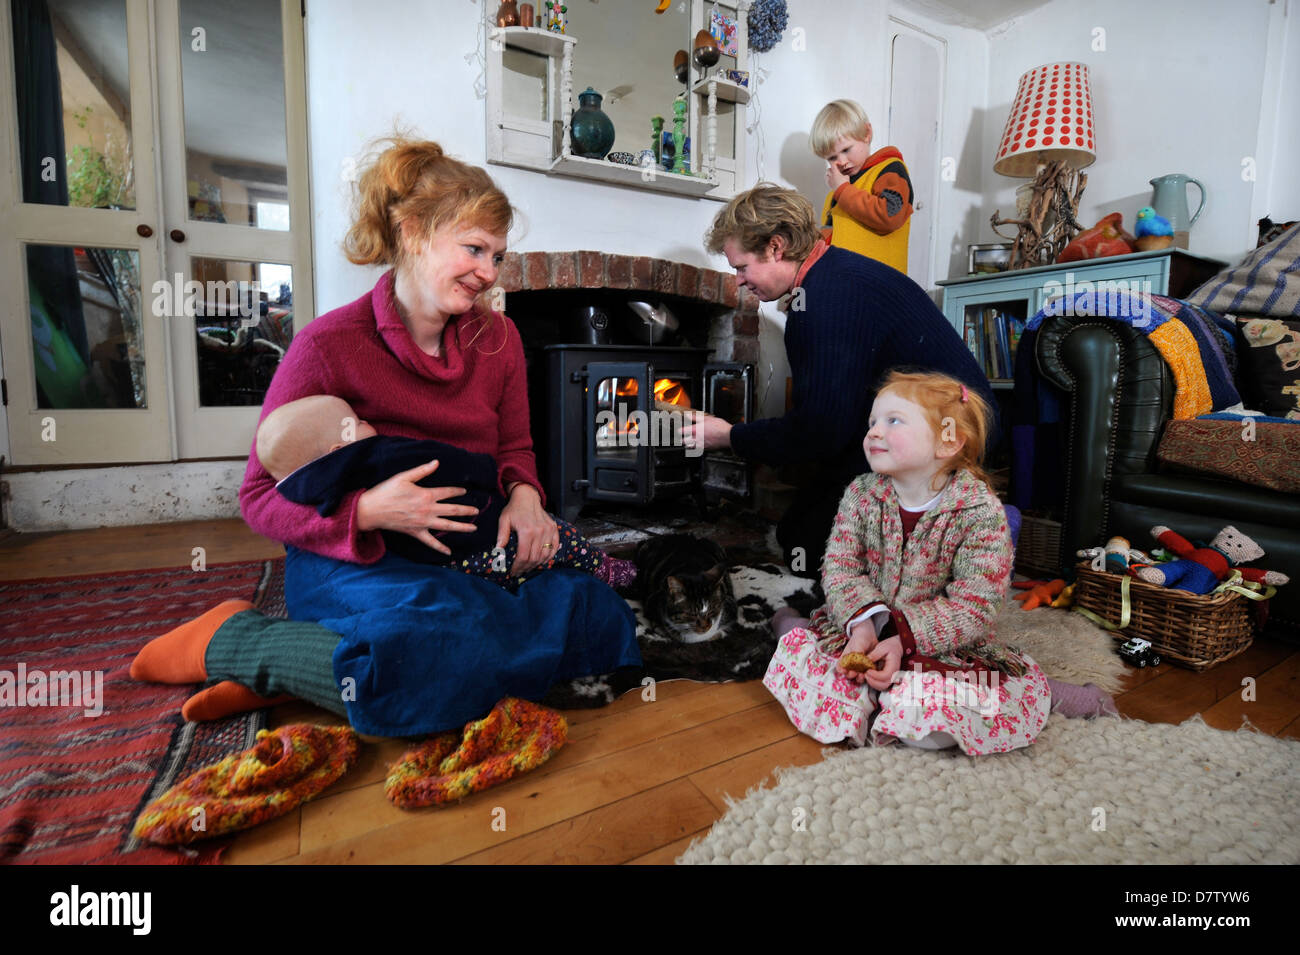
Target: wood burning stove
614 420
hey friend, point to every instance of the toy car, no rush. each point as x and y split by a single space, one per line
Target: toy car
1140 653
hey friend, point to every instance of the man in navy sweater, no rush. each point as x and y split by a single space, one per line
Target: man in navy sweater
849 320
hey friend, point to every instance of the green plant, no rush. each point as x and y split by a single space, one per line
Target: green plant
95 180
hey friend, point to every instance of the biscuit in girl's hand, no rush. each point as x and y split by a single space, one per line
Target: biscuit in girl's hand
857 662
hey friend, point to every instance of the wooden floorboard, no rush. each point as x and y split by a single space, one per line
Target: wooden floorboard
639 780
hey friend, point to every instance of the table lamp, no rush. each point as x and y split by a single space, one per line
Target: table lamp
1048 139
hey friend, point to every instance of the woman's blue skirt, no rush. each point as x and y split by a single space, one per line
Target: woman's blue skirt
426 649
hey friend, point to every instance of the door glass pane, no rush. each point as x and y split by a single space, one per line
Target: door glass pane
232 76
728 393
243 314
85 322
617 407
72 86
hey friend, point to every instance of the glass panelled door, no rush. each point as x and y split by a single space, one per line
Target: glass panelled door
84 359
237 241
157 273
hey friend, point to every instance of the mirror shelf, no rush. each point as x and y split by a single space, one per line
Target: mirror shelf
533 39
659 180
727 91
531 101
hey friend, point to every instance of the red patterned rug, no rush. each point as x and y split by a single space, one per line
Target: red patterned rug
84 747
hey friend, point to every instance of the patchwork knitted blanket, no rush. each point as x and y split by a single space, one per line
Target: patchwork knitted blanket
1198 345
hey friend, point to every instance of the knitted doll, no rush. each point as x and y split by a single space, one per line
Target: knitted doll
1202 568
1116 557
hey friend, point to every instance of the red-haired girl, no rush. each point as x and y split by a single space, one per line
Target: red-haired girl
916 570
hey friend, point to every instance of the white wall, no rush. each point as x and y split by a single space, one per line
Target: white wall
363 76
1178 88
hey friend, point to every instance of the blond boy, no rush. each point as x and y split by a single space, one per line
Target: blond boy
869 206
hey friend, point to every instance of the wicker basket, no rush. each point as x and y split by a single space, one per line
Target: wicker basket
1194 631
1038 551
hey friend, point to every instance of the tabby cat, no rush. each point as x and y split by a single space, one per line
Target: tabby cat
685 587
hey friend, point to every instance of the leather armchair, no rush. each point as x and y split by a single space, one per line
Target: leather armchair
1120 393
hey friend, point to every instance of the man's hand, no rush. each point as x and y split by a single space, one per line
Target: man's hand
705 432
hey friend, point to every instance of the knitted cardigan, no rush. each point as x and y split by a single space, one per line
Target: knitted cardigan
949 580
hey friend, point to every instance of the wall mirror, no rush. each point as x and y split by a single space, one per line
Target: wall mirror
630 56
625 53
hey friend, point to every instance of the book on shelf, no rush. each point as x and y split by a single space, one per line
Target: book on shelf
1016 328
1002 344
992 336
972 336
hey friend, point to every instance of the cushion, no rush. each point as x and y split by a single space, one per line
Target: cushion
1269 365
1266 283
1265 454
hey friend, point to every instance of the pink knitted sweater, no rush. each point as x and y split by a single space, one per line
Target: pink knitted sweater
474 396
949 579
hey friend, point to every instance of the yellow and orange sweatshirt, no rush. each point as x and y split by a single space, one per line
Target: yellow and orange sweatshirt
870 214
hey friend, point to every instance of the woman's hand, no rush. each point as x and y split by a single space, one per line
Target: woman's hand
538 536
400 504
705 432
888 656
862 639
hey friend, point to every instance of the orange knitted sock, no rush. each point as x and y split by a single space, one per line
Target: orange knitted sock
225 699
177 656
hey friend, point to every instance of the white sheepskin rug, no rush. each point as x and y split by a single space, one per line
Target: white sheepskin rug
1105 792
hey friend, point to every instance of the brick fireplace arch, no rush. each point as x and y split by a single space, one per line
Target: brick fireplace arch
734 336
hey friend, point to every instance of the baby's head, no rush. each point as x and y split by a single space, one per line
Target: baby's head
926 423
841 134
299 432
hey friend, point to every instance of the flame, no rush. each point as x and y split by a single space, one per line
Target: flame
671 393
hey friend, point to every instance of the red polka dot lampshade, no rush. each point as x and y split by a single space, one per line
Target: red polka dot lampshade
1050 119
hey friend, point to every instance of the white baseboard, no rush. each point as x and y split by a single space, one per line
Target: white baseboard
117 496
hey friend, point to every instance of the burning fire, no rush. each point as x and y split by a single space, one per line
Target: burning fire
669 395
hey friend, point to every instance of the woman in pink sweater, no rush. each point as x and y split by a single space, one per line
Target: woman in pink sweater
418 356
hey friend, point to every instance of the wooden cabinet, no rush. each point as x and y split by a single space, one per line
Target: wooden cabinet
1023 293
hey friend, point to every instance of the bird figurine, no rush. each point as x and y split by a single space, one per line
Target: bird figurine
1153 230
1107 237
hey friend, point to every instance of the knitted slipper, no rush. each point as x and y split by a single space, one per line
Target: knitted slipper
285 767
515 737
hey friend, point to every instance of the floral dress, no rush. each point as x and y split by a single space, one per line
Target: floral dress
982 711
948 579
